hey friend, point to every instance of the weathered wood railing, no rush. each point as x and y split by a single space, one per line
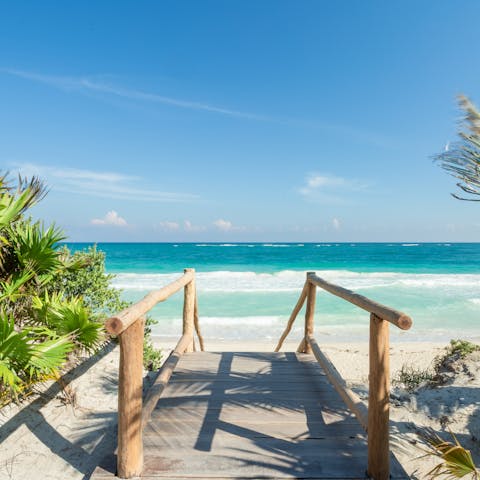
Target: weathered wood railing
128 325
374 418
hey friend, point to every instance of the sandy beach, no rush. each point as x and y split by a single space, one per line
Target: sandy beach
46 438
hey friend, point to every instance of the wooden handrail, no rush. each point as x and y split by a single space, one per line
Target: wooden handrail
129 326
351 399
376 420
120 322
401 320
158 386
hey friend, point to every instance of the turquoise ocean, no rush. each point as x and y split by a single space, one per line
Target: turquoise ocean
246 291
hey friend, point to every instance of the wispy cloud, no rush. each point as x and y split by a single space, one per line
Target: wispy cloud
330 188
226 226
99 184
336 224
177 226
112 218
169 226
99 85
188 226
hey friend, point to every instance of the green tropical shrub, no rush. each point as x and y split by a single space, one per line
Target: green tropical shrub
24 357
68 316
89 280
39 327
51 300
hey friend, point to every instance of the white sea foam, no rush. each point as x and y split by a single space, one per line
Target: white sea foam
410 244
218 245
277 245
330 328
292 281
259 321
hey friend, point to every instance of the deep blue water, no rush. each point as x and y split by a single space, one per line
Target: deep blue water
261 257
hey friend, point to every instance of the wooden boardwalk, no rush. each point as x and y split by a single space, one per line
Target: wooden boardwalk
251 415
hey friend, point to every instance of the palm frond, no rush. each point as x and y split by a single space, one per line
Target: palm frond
462 159
472 115
49 355
12 205
69 317
11 289
456 461
35 247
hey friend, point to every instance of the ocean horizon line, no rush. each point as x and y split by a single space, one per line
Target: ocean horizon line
266 243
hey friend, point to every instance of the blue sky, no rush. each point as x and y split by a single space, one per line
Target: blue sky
240 120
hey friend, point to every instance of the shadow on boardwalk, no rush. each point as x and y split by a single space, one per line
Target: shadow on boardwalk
281 418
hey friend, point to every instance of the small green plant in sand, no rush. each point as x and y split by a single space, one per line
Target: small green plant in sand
462 348
456 461
411 377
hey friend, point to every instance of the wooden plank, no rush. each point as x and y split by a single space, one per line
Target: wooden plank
208 389
252 370
242 382
178 429
339 459
230 415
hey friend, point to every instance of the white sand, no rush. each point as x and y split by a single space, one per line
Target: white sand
46 439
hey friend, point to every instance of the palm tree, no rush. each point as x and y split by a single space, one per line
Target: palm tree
462 159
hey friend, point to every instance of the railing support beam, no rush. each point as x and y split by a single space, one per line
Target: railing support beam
189 309
309 315
378 400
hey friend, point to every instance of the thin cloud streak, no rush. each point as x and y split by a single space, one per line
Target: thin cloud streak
89 85
99 184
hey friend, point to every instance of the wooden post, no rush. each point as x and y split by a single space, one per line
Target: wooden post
293 316
189 309
197 324
378 400
309 313
130 444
